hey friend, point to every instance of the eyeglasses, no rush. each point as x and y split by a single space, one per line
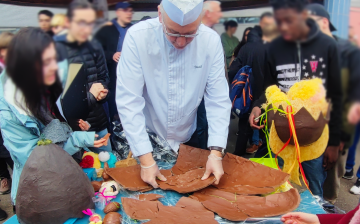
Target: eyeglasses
178 35
83 24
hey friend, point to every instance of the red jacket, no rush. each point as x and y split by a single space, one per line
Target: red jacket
340 219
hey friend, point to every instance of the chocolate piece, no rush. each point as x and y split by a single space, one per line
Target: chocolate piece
105 175
106 137
187 182
129 178
140 210
242 174
185 211
308 130
112 218
129 161
112 207
96 185
190 158
238 208
149 197
52 188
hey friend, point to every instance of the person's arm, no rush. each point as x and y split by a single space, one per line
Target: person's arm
102 37
354 69
79 140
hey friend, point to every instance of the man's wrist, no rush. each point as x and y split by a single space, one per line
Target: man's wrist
146 159
218 151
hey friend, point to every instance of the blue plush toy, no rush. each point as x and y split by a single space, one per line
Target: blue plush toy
107 157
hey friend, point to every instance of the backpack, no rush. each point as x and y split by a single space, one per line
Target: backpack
241 92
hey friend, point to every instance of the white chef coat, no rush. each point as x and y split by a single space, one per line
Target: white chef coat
160 87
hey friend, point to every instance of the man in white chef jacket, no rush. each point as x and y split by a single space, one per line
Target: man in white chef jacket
168 65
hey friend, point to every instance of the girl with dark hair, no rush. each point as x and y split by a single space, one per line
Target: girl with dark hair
241 44
29 89
228 40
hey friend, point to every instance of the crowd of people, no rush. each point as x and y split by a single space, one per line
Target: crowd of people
171 74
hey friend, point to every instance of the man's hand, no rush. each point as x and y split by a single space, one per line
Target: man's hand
255 113
96 88
300 218
214 166
149 175
102 95
330 157
116 56
354 114
84 125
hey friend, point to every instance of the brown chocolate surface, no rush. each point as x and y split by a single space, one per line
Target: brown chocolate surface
190 158
185 211
308 129
237 207
149 197
243 174
52 188
112 207
96 185
105 175
141 210
106 137
187 182
112 218
129 178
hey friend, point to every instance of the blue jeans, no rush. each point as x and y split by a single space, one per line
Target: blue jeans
102 148
350 162
255 137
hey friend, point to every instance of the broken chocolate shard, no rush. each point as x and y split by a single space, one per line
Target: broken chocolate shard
129 178
52 188
112 207
96 185
185 211
112 218
105 175
106 137
238 207
190 158
187 182
150 197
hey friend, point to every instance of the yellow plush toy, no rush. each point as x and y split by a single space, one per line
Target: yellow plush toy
297 123
90 160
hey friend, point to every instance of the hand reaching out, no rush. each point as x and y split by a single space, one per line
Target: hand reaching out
300 218
214 166
84 125
100 142
150 171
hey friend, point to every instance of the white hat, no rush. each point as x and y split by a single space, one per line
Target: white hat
183 12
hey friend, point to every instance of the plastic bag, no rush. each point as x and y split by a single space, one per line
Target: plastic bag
100 202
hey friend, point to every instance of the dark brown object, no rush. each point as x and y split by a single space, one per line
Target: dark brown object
106 137
241 176
105 175
185 211
308 130
96 185
238 208
150 197
112 218
112 207
129 178
52 188
187 182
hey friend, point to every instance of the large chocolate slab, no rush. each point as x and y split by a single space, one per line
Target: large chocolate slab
187 182
129 178
238 207
185 211
150 197
308 130
52 188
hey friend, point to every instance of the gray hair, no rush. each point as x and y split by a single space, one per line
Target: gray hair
208 6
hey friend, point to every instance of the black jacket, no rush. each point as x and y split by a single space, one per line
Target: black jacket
316 57
252 54
92 56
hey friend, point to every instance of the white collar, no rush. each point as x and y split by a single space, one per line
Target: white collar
14 97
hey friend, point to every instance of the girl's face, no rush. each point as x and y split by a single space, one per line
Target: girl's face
50 66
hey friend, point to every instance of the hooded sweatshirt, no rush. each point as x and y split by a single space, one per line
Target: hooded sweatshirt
317 57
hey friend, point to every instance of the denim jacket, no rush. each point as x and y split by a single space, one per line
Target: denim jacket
21 132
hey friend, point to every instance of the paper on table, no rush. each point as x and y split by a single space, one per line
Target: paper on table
58 104
73 71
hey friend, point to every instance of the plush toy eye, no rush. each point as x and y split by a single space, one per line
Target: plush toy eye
113 187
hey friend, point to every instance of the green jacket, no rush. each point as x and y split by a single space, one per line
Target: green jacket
229 44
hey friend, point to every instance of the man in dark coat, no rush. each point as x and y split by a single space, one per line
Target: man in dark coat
111 38
77 49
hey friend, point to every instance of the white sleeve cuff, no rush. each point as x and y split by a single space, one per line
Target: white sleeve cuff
142 148
218 141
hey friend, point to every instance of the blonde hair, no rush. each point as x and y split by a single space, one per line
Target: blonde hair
58 20
5 39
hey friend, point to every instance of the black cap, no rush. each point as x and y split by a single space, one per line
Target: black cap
319 10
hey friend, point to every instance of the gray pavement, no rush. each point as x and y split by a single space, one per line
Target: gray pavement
346 200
